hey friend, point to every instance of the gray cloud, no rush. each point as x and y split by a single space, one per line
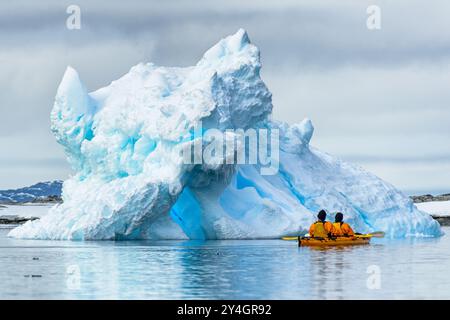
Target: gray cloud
311 33
372 95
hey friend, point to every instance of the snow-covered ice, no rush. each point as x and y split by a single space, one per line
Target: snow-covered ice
124 142
435 208
25 210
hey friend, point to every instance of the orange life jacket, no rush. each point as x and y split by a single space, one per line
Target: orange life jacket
342 229
320 230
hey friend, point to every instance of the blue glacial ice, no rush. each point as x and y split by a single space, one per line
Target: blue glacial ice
124 142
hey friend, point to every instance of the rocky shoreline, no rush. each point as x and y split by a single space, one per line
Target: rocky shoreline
38 200
15 220
430 198
443 220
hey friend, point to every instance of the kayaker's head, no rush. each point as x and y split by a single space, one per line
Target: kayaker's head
339 217
322 215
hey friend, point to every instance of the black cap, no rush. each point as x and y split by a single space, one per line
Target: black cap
339 217
322 215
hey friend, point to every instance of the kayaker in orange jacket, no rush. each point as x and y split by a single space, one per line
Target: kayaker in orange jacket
340 228
321 228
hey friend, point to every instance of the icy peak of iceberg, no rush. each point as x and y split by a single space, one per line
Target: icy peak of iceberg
233 49
126 143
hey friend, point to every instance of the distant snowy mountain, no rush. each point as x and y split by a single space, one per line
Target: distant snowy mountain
41 190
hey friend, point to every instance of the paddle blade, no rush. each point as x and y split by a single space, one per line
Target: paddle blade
377 234
290 238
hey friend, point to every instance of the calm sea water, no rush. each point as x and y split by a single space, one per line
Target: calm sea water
266 269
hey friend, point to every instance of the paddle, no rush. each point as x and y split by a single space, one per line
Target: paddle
290 238
376 234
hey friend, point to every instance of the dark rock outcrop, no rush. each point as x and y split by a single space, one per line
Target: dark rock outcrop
429 198
15 219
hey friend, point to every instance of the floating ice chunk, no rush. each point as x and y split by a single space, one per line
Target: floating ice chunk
126 143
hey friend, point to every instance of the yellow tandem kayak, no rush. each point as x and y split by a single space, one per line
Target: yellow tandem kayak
343 240
338 241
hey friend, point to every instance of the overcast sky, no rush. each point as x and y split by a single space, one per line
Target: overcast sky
379 98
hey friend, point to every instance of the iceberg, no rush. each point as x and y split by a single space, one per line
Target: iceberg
128 144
